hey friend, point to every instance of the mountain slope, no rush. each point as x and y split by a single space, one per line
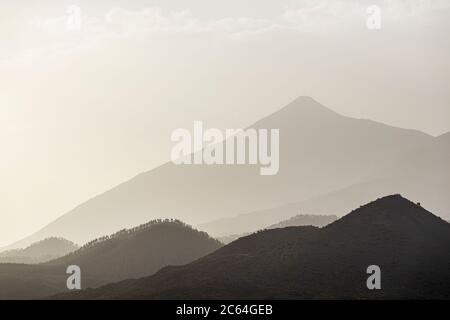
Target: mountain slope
141 251
321 151
421 174
410 244
127 254
42 251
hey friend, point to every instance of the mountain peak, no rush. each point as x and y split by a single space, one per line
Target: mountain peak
302 108
393 214
307 102
385 208
304 99
306 106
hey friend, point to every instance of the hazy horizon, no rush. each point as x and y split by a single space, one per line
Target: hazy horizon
82 111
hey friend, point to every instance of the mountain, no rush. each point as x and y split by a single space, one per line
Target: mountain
261 219
320 152
305 220
409 244
42 251
426 165
296 221
141 251
133 253
420 174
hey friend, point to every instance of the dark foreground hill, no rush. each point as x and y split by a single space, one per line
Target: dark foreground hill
132 253
39 252
408 243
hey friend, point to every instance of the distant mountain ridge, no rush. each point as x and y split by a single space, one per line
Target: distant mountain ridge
39 252
408 243
305 220
295 221
321 152
261 219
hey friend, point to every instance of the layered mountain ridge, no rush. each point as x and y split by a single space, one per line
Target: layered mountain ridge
409 244
322 155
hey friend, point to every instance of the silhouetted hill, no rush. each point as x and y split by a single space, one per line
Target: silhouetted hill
132 253
42 251
296 221
321 151
141 251
410 244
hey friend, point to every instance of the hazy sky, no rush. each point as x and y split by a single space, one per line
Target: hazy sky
83 110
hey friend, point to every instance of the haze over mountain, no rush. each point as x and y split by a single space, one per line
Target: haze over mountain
305 220
133 253
254 219
42 251
421 174
409 244
263 219
320 152
97 113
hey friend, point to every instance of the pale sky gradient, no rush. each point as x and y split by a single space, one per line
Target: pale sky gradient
81 111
